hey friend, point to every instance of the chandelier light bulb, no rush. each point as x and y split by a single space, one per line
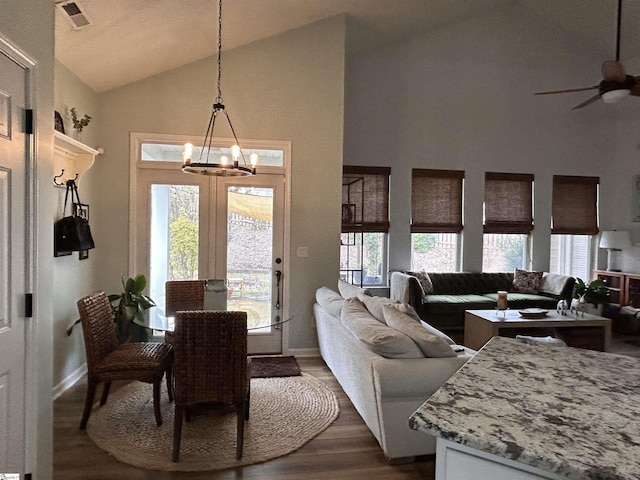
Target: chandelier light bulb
224 160
187 153
235 152
253 158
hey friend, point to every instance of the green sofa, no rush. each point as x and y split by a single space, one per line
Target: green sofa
455 292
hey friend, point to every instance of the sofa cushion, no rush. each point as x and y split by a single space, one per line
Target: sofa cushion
432 345
518 300
330 300
406 309
348 290
378 338
461 283
442 335
374 305
526 282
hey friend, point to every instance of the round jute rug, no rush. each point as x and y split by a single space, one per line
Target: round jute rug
285 413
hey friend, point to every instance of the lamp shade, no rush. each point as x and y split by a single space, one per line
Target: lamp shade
615 239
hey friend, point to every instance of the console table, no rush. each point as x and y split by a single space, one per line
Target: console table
536 411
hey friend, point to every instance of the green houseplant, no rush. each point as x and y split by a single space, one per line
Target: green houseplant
128 306
594 292
131 305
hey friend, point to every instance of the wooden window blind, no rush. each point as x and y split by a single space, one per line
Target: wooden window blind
574 208
365 199
436 201
508 205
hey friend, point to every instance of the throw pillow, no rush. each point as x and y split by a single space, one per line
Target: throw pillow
348 290
380 339
526 282
329 300
408 310
442 335
374 305
431 344
423 280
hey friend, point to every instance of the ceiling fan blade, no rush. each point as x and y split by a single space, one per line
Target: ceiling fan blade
613 71
568 90
595 98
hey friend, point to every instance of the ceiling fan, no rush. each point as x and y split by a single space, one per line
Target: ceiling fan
615 85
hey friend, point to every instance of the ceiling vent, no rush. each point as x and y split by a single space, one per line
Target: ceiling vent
72 11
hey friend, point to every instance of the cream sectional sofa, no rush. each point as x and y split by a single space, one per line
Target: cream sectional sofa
384 391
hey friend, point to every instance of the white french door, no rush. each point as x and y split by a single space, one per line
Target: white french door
208 227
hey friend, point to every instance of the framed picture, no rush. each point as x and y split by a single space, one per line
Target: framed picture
58 123
5 115
81 210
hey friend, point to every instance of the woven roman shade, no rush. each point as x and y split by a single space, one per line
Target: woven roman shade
365 199
508 206
436 201
574 207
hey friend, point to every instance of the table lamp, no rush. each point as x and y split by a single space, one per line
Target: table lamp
614 241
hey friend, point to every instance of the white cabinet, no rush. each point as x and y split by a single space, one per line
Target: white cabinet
459 462
71 158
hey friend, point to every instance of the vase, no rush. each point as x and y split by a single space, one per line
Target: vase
77 135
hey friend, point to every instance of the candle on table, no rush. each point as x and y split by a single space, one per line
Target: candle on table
502 300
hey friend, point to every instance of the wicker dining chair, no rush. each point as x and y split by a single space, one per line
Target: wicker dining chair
210 366
183 295
107 360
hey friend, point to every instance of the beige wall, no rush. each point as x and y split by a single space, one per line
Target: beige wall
274 90
73 278
28 24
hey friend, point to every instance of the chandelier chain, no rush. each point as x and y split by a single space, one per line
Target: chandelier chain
219 97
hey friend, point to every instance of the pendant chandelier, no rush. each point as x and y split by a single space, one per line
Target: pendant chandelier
238 165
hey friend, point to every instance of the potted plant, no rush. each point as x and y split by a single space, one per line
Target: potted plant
131 305
595 292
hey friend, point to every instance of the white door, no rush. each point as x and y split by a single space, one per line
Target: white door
13 206
249 254
208 227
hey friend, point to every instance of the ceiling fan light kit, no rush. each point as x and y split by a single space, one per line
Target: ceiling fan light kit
616 84
614 96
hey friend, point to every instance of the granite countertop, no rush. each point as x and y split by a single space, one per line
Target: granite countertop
568 411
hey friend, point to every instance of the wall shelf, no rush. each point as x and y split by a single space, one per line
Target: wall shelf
71 158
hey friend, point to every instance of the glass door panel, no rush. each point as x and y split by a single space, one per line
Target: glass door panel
250 252
173 246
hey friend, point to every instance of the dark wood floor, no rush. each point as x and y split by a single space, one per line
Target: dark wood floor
346 450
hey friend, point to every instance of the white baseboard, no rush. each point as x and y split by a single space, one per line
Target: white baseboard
304 352
68 382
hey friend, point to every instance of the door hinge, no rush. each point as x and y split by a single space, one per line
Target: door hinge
28 305
28 121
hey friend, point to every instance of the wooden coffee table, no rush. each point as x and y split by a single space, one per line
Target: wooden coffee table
588 331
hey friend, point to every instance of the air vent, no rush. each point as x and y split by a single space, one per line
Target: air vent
76 16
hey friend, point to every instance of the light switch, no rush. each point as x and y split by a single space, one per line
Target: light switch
302 252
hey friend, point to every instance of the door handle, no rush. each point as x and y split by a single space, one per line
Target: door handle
278 274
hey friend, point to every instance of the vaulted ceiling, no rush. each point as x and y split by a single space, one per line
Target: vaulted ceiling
128 40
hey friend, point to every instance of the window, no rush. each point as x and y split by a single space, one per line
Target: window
365 225
571 255
574 222
508 220
436 219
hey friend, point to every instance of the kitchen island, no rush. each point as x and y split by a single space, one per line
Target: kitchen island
536 411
